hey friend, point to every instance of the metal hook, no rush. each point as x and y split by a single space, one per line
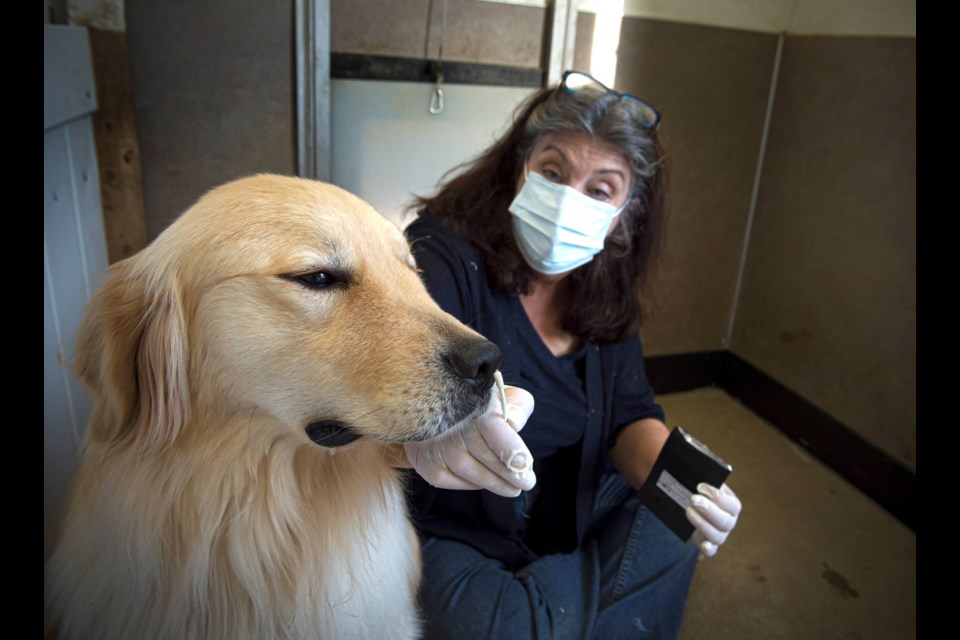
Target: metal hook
436 99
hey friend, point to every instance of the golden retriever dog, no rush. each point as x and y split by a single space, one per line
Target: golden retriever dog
249 370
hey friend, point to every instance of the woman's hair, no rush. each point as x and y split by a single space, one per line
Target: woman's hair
475 201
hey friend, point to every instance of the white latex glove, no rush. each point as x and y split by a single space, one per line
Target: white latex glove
714 513
487 453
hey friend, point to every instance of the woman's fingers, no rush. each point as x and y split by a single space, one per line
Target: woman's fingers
502 451
448 466
519 406
714 513
487 453
469 457
429 463
718 509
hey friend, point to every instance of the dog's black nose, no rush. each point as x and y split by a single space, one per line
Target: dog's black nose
475 360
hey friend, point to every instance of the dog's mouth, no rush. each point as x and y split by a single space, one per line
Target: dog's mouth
408 425
335 433
331 433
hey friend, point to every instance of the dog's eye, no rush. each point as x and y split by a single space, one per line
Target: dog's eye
316 279
319 279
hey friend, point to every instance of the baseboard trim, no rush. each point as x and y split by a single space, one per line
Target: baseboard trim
862 464
686 371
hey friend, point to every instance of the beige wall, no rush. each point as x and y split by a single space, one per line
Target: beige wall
828 304
807 17
484 32
213 94
711 87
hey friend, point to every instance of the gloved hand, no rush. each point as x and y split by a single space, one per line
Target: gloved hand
487 453
714 513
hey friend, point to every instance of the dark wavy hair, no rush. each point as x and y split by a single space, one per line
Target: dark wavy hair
610 295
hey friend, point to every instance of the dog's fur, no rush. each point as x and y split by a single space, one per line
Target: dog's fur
202 510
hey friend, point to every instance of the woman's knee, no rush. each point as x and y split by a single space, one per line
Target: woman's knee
466 594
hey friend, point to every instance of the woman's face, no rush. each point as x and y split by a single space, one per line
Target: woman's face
592 167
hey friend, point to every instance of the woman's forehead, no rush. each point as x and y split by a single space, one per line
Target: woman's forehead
581 148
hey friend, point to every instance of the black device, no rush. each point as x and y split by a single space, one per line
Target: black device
683 463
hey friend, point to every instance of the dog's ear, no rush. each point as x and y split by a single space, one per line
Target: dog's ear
132 352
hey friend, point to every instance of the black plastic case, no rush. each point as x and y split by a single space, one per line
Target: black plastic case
684 463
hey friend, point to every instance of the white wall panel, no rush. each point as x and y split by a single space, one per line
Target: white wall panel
387 147
74 255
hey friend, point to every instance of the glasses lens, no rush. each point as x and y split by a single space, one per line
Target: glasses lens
574 81
647 115
577 81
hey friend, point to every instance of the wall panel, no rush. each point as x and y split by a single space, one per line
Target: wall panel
711 86
829 294
213 93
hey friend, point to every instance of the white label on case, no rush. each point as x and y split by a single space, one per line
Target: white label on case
673 488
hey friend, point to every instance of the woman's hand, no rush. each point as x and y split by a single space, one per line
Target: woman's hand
487 453
714 513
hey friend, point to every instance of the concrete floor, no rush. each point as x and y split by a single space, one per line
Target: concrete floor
811 556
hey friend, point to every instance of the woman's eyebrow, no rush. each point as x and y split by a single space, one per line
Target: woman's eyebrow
613 170
554 147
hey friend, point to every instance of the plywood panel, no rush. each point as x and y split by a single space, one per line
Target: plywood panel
118 149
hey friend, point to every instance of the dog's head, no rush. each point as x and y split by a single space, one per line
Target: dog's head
283 296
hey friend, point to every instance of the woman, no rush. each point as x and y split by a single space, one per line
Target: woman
545 244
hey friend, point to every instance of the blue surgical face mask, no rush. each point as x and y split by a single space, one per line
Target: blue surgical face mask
558 228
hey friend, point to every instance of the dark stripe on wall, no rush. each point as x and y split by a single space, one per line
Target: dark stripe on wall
352 66
862 464
671 374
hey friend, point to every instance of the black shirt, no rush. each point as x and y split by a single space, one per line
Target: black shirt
582 401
